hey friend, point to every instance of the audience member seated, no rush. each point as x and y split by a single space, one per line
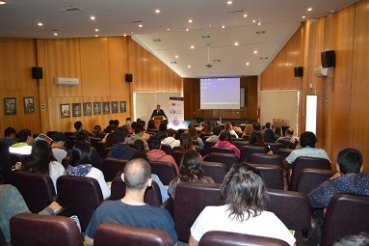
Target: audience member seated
277 132
43 162
80 165
289 138
245 197
96 160
195 137
257 139
112 125
12 203
156 154
237 129
145 135
307 142
58 147
229 128
121 150
268 135
190 171
162 133
138 135
131 210
247 131
225 142
78 126
170 140
24 147
215 137
97 132
151 126
9 136
5 164
186 142
348 179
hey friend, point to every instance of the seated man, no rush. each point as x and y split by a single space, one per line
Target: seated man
9 136
138 135
131 210
121 150
170 140
289 140
24 147
215 137
348 179
244 193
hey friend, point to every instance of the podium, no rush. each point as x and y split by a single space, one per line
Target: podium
157 121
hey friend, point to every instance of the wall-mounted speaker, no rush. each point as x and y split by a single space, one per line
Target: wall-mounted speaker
328 58
299 71
129 77
37 73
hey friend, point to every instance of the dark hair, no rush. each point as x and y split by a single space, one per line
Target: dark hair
289 131
24 134
193 132
41 156
244 191
136 173
216 130
128 118
256 138
308 139
139 145
80 154
138 128
225 136
77 125
119 135
349 160
151 124
256 126
111 122
162 127
9 131
155 143
268 125
82 136
190 167
116 123
186 141
97 129
4 155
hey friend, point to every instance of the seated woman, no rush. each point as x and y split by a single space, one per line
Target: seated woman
43 162
245 196
79 165
186 142
247 131
229 128
195 137
257 139
190 171
225 142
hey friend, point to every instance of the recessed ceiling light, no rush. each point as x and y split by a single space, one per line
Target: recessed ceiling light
253 21
157 11
176 56
247 63
96 36
245 16
2 2
192 47
229 2
209 25
303 17
40 23
187 29
188 66
189 20
223 26
140 25
97 30
259 23
168 29
255 51
55 34
236 43
124 35
92 17
309 9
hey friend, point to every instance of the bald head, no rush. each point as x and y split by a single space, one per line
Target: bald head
136 174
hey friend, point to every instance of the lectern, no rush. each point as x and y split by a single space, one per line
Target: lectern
157 121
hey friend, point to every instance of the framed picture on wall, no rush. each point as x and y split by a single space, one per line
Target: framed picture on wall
122 106
114 107
106 107
10 105
65 110
97 108
76 109
29 104
87 109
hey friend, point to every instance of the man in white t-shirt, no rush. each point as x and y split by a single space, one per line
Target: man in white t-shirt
245 197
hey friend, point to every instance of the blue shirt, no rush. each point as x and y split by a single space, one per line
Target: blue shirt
307 151
353 184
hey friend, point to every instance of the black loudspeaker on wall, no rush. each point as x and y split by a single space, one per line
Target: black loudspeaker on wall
129 77
328 58
299 71
37 73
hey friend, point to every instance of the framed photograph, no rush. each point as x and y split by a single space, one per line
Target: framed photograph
106 107
10 105
122 106
29 104
97 108
114 107
65 110
87 109
76 110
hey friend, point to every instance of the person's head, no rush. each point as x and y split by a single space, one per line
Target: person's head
137 175
80 154
120 135
151 124
59 137
268 125
111 122
190 166
193 132
158 106
10 132
349 160
216 130
82 137
139 145
225 136
308 139
133 125
248 129
289 132
115 123
228 127
256 126
278 131
97 129
186 141
41 156
244 191
162 127
155 143
4 154
138 129
77 125
25 135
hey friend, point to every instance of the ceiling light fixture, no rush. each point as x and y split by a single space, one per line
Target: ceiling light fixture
40 23
188 66
236 43
124 35
97 30
2 2
309 9
209 25
96 36
229 2
255 52
247 63
168 29
259 23
245 16
55 34
187 29
140 25
223 26
303 17
254 21
176 56
189 20
157 11
92 17
192 47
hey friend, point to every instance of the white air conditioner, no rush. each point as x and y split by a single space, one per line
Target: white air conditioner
321 72
66 81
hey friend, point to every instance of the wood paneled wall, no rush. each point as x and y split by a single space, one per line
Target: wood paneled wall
343 117
191 93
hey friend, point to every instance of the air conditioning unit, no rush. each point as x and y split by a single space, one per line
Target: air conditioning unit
321 72
66 81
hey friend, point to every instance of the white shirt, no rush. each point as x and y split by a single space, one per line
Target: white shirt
216 218
59 154
99 176
55 171
171 141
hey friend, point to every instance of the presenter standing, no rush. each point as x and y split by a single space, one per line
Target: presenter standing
158 112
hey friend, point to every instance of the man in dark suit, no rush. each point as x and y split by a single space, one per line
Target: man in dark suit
158 112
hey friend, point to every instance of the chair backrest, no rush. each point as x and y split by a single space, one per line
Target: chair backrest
82 195
283 153
215 170
100 148
207 147
272 175
293 209
347 215
228 159
177 155
166 148
222 238
239 143
303 162
152 194
165 170
37 190
221 150
248 150
111 167
275 147
115 235
190 200
43 230
263 158
311 178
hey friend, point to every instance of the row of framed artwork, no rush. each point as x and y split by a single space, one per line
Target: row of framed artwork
89 108
10 105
